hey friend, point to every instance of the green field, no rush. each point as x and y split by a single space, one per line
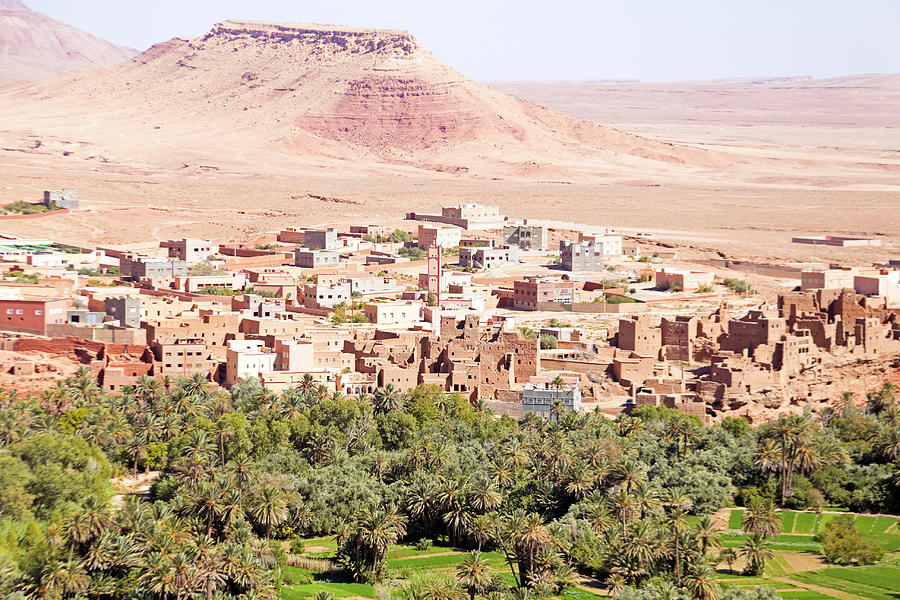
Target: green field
878 582
340 590
807 523
402 562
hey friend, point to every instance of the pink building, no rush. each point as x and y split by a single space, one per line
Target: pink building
684 279
883 283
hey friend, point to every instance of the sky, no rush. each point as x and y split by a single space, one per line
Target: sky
499 40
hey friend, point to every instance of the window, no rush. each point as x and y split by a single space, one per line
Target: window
10 311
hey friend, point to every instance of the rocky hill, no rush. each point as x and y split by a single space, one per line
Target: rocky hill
33 46
323 92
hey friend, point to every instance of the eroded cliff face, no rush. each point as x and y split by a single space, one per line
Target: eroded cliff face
333 38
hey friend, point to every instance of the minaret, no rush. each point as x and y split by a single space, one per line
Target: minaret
434 273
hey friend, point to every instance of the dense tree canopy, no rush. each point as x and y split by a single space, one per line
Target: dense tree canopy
242 472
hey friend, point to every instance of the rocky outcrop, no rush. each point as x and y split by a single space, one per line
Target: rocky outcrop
330 38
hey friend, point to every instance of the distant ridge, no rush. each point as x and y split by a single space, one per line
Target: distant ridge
33 46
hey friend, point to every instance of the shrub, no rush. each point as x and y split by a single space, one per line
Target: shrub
618 300
554 322
842 544
704 288
423 544
548 342
736 285
528 333
297 545
412 253
202 268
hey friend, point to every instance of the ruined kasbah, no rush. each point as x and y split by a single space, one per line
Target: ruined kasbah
516 316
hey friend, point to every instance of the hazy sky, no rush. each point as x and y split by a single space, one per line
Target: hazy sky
652 40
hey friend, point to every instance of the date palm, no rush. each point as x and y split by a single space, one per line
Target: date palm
762 518
701 585
474 573
756 553
268 507
707 534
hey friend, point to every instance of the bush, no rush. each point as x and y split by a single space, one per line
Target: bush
736 285
412 253
548 342
554 322
528 333
423 544
297 545
842 544
618 300
202 268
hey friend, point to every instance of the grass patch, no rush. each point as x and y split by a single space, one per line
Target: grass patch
795 543
881 576
836 583
803 595
882 524
864 524
579 594
340 590
805 523
787 521
734 520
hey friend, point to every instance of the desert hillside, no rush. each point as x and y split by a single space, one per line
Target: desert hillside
33 46
313 92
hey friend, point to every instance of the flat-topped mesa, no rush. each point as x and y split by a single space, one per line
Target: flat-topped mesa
354 40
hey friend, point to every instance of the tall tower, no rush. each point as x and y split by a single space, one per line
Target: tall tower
434 273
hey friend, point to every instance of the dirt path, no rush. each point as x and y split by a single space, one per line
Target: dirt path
594 586
800 561
447 553
720 518
817 588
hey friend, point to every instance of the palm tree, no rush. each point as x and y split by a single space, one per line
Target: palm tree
756 554
558 407
767 457
387 399
65 579
268 507
676 519
701 585
707 534
728 556
616 583
624 502
223 434
365 548
888 443
484 497
474 573
762 518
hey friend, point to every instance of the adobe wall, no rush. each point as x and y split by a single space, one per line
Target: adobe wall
110 336
576 366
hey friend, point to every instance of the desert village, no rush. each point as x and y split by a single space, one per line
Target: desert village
516 315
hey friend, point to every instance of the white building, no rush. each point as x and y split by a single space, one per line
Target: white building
247 358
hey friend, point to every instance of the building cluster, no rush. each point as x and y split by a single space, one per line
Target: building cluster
319 305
